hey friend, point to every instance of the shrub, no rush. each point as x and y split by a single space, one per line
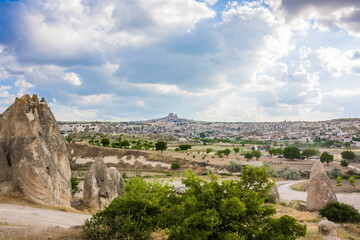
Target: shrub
271 171
340 212
207 209
175 166
75 186
339 181
334 172
352 180
235 167
344 163
177 149
290 173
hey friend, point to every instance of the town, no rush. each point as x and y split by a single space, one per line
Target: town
334 133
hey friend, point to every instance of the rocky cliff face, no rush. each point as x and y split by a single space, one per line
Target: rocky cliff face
33 153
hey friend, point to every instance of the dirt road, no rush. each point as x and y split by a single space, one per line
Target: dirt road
17 215
286 193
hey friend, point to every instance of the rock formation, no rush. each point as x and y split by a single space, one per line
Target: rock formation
319 190
102 185
33 153
327 230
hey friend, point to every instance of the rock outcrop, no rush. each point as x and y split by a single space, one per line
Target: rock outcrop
102 185
327 230
319 190
33 153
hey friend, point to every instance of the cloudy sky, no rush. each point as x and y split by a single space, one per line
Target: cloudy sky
216 60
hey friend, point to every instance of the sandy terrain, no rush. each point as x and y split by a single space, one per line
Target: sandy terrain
17 215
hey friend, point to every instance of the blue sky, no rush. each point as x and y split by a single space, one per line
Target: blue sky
215 60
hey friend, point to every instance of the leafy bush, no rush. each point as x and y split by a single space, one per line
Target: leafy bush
344 163
352 180
339 181
334 172
75 186
235 167
290 173
340 212
270 169
175 166
207 209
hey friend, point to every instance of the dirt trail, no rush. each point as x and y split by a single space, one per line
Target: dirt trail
17 215
286 193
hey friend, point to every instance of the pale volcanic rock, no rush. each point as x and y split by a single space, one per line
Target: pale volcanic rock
327 229
36 158
319 190
101 185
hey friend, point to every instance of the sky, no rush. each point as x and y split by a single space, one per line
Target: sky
212 60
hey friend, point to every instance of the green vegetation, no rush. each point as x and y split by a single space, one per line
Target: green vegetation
292 152
339 181
334 172
160 146
256 154
185 147
235 167
340 213
326 157
248 156
175 166
276 151
352 181
344 163
209 150
290 173
348 155
310 152
105 142
75 186
236 150
206 210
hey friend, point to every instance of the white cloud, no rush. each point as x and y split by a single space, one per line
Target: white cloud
72 78
338 62
23 86
95 99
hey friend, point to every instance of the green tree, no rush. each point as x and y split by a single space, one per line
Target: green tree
125 144
352 181
227 152
236 149
105 142
292 152
208 150
185 147
75 186
207 209
348 155
248 156
326 157
256 154
175 166
160 146
310 152
344 163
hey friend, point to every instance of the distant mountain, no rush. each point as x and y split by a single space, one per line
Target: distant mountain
172 117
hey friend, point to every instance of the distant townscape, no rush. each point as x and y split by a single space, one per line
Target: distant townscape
336 132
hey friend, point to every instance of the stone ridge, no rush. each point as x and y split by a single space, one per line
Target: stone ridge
35 153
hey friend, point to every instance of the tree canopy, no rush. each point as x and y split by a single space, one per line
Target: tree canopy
348 155
326 157
292 152
207 209
185 147
160 146
310 152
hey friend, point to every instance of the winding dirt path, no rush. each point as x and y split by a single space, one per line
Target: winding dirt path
17 215
286 193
